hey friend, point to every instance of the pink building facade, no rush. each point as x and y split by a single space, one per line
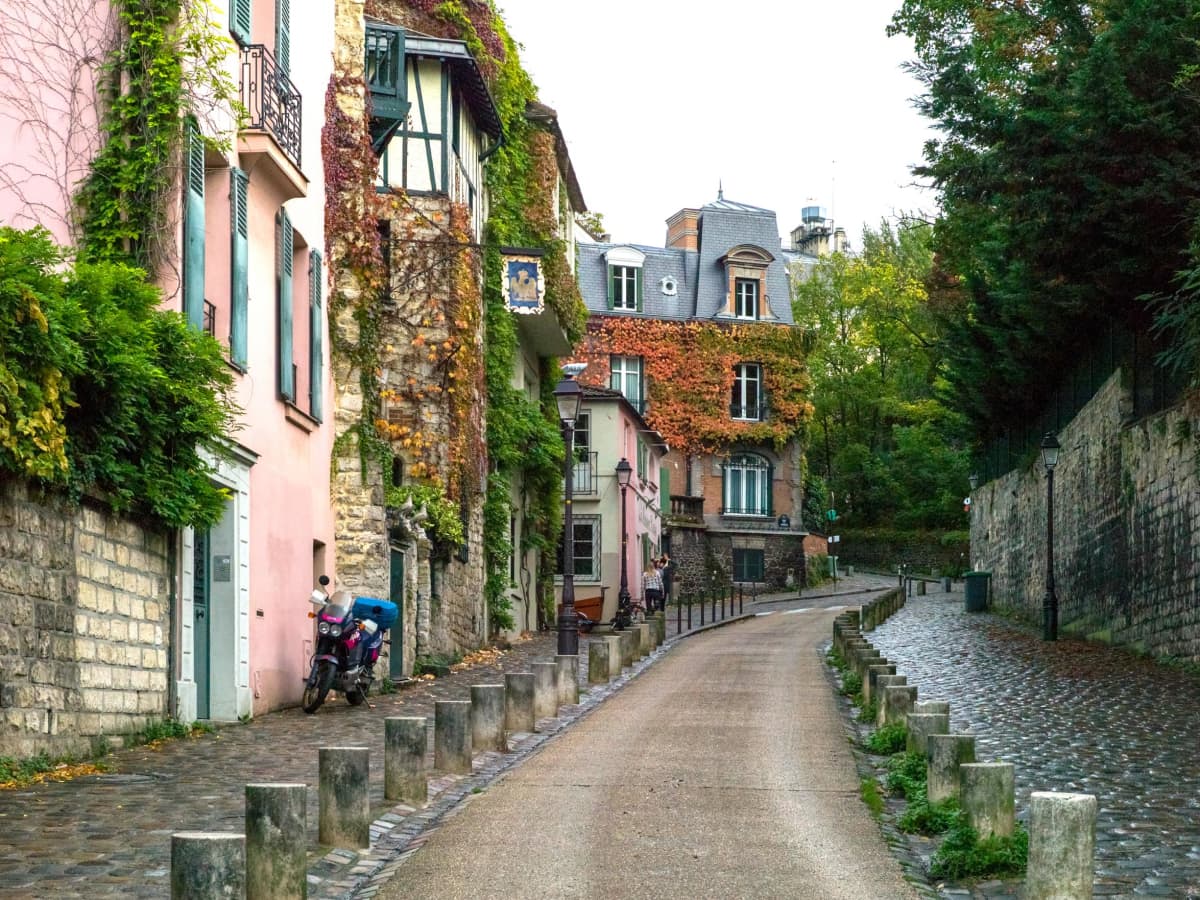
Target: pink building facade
250 268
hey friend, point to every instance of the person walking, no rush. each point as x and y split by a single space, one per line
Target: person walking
652 587
666 571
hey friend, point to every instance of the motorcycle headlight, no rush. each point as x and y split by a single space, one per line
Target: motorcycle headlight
323 628
335 630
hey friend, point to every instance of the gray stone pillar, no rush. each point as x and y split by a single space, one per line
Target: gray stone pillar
882 683
276 841
1062 845
207 865
946 585
627 639
873 672
946 753
404 743
598 672
344 819
646 639
897 703
864 660
487 717
452 736
545 690
660 628
987 797
614 654
518 701
568 679
921 588
921 726
932 706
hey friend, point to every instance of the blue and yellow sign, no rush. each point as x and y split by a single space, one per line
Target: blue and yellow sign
524 287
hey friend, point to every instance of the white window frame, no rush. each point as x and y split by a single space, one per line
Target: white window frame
624 280
745 289
586 521
624 368
744 375
752 495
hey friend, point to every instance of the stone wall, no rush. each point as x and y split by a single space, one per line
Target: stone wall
1126 509
702 556
83 623
924 551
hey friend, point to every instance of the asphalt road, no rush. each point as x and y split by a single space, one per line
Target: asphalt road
723 771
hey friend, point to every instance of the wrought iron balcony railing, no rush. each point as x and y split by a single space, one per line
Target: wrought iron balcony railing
209 322
271 100
748 413
747 511
585 483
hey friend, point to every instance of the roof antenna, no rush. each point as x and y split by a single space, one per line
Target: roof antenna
720 190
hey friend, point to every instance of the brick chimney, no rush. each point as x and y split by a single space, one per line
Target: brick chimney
683 229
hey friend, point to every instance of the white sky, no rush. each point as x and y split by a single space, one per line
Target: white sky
782 100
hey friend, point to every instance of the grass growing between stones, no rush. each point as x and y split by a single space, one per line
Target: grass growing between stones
963 855
851 684
888 740
872 796
906 774
868 712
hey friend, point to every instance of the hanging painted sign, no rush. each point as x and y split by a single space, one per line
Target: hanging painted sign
523 285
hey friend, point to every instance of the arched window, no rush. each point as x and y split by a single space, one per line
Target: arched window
747 489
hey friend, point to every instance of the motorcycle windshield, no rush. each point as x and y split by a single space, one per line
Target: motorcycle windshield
334 613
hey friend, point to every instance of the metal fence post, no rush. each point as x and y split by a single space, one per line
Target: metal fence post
690 599
703 603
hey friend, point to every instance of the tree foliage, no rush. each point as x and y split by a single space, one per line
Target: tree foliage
1068 179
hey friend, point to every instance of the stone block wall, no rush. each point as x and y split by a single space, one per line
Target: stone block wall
1126 522
83 623
697 553
922 550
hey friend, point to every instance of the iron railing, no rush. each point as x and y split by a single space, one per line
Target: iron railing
757 511
756 413
384 69
209 322
585 482
271 100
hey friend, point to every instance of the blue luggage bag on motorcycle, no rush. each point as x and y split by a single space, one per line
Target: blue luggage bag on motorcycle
383 613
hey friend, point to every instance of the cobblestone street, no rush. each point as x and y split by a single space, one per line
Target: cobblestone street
1070 716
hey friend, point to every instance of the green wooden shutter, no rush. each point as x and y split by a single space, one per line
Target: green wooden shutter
637 287
287 378
612 287
283 35
193 228
316 362
664 490
239 20
239 293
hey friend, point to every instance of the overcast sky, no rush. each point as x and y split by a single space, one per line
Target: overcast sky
784 101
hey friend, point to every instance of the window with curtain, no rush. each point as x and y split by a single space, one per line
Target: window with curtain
747 488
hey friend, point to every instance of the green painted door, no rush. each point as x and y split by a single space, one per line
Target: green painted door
396 595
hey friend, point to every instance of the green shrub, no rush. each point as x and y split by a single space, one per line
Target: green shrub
868 712
906 774
445 517
871 796
923 817
887 740
21 771
851 684
963 855
836 660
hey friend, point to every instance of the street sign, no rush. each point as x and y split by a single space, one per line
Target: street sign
835 539
831 515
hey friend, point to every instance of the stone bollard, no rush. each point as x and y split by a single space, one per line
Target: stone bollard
874 671
864 660
452 736
946 586
921 587
207 865
545 690
518 701
568 679
941 707
882 683
628 640
598 672
921 726
614 654
404 742
1062 845
487 717
987 797
946 753
660 628
276 841
344 819
897 703
646 640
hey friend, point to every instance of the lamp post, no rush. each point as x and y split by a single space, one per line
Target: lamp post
973 478
1050 448
568 395
624 473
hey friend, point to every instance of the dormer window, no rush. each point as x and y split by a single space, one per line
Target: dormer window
625 278
746 270
745 298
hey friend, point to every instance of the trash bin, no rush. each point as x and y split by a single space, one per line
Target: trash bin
976 590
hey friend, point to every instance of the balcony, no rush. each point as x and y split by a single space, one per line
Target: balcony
756 512
209 322
384 71
585 483
273 119
687 509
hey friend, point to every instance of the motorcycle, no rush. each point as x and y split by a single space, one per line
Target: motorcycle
629 611
350 634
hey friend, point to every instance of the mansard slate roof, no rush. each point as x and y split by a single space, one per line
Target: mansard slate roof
700 277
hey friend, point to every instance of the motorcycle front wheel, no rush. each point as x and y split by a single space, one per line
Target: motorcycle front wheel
317 690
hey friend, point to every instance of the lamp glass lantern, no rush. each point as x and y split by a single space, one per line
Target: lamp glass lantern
1050 448
624 472
568 395
973 478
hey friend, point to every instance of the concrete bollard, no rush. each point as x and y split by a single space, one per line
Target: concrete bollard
276 841
646 645
921 587
947 752
660 628
987 797
207 865
518 701
344 819
404 742
628 643
946 586
921 726
614 654
568 679
897 702
487 718
1062 846
874 671
941 707
452 736
882 683
545 690
598 672
864 660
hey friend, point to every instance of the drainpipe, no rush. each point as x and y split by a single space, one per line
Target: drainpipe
483 157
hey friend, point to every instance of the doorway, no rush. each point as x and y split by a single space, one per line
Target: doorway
215 619
396 595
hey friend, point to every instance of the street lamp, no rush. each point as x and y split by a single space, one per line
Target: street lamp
974 479
624 473
568 395
1050 448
